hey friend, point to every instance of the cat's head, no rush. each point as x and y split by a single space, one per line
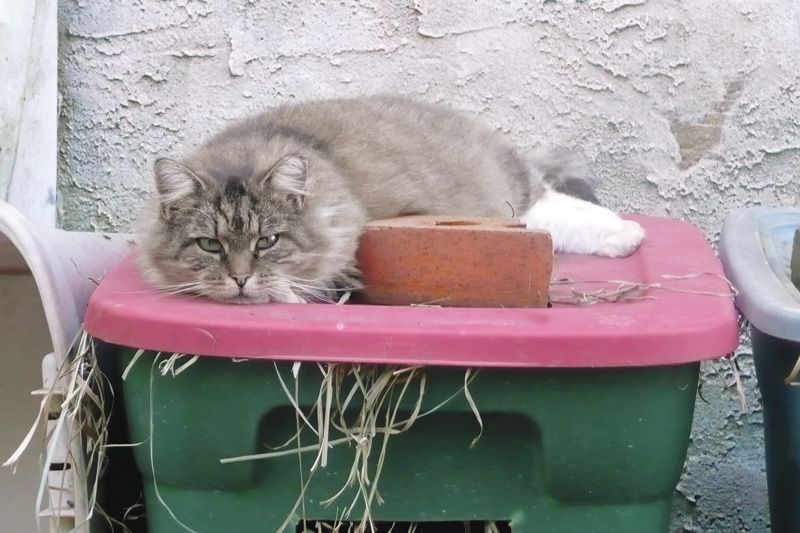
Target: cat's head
239 233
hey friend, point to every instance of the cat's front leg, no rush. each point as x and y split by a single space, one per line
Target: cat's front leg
581 227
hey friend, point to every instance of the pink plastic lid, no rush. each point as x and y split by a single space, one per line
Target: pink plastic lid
673 326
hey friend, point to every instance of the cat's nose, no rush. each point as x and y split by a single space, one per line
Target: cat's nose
240 279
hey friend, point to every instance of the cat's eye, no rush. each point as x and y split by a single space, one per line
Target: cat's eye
212 246
265 243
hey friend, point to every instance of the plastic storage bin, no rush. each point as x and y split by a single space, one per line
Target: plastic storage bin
586 410
755 248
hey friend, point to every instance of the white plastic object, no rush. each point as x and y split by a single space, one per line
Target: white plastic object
66 266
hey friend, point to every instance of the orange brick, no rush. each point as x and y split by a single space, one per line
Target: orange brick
455 262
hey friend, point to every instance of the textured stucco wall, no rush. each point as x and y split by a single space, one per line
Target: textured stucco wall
688 108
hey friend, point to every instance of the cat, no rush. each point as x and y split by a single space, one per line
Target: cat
271 208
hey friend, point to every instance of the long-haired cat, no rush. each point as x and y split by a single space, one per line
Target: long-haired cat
271 208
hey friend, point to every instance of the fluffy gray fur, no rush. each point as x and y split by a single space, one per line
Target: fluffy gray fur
286 194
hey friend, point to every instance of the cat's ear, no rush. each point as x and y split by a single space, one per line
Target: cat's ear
175 181
289 176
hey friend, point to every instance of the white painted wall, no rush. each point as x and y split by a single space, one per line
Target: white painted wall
28 107
688 108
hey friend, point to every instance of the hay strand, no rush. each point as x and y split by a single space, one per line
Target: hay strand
627 291
280 453
76 394
160 498
130 364
472 406
790 379
737 380
291 396
14 458
491 527
298 427
356 404
170 364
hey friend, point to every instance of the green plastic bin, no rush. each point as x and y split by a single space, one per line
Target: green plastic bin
586 411
755 248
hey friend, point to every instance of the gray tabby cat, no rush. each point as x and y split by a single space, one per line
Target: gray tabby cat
271 209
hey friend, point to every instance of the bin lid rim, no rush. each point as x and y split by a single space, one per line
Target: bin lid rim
754 247
687 320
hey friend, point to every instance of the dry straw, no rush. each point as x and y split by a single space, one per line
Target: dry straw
791 379
78 396
358 405
328 527
626 291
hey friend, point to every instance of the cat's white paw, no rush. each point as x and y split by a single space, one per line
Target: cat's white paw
622 241
579 227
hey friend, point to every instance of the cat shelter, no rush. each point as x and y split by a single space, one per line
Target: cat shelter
563 419
760 249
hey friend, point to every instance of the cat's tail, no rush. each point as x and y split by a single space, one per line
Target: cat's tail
565 171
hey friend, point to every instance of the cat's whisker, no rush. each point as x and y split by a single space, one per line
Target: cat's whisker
192 295
280 276
182 291
326 294
329 255
284 294
307 287
321 293
297 278
182 285
176 290
317 283
181 288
